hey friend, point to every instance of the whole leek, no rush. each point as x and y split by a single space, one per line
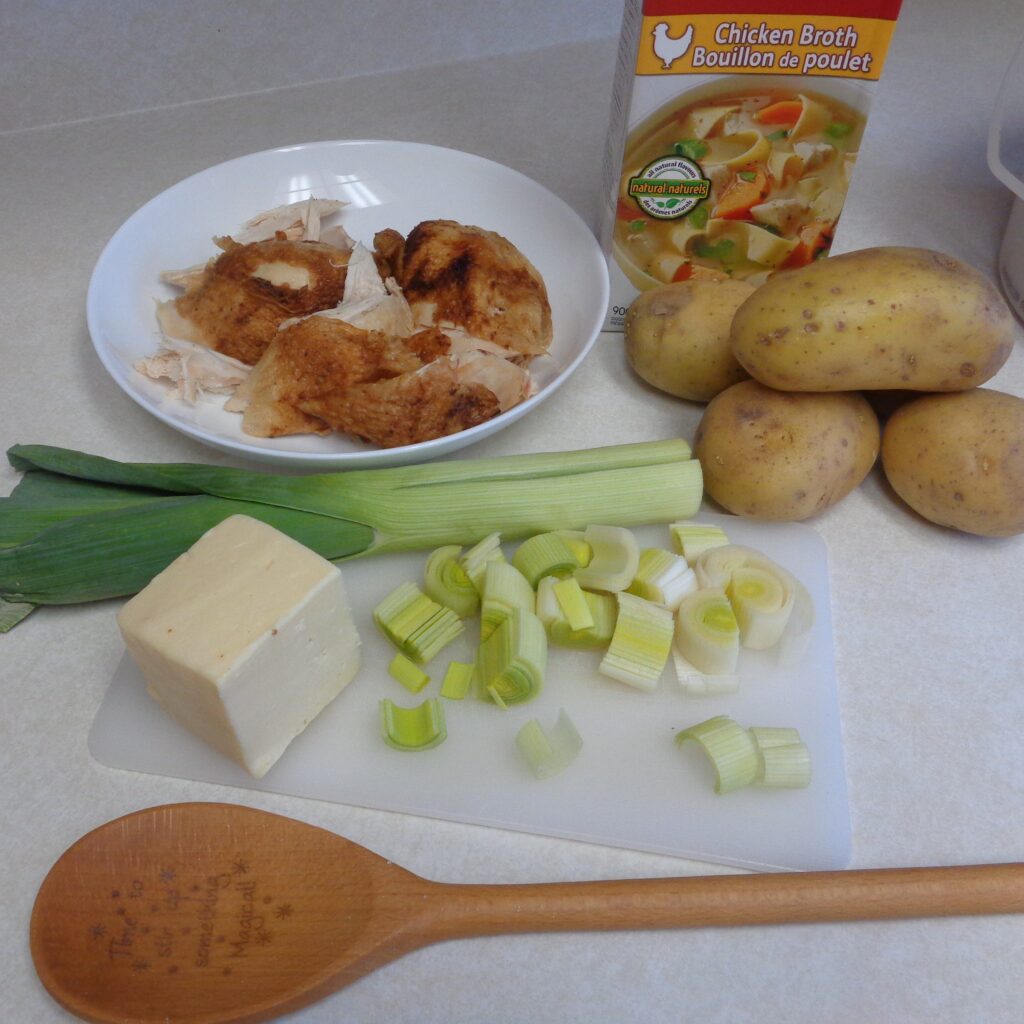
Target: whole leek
82 528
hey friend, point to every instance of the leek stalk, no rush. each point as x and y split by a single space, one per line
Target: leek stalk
81 528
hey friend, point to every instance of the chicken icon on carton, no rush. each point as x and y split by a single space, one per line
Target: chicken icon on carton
668 49
734 135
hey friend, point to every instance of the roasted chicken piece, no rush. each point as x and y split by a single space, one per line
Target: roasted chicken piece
420 338
454 275
430 402
241 298
317 357
389 246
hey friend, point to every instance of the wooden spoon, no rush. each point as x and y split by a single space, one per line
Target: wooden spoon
205 913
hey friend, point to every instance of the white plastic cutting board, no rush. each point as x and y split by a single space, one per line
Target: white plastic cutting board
631 786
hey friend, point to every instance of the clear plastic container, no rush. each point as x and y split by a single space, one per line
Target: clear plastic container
1006 159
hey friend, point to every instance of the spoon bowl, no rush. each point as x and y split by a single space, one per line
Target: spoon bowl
205 913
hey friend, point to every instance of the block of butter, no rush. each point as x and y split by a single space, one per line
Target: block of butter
244 639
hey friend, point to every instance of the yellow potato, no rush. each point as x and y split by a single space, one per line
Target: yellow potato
772 454
958 460
677 336
875 319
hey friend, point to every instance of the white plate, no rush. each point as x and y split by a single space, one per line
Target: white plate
630 786
387 184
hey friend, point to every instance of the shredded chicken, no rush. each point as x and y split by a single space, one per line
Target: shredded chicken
368 301
298 222
193 369
186 278
509 383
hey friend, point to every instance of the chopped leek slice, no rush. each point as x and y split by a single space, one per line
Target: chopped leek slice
411 676
691 540
762 606
695 683
446 582
545 554
505 588
547 609
768 736
572 602
549 751
784 761
416 728
766 609
510 663
457 680
576 542
784 767
603 609
640 644
796 636
707 634
663 577
714 567
474 561
614 561
730 748
416 625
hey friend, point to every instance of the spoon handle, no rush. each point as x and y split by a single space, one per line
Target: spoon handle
717 900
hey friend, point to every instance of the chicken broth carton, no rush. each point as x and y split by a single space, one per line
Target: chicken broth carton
735 130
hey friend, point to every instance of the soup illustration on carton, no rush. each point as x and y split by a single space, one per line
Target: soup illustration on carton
743 171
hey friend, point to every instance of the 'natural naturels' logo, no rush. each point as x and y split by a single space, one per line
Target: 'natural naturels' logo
669 187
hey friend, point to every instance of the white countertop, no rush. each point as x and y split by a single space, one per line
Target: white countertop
929 647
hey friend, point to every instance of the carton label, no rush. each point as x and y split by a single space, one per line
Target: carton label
735 133
783 44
